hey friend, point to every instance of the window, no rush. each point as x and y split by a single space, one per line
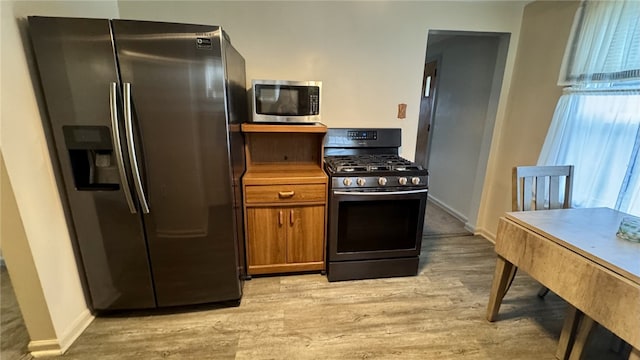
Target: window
596 125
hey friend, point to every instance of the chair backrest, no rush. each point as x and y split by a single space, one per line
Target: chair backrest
539 187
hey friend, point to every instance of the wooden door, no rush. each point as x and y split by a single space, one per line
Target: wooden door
305 234
266 235
427 111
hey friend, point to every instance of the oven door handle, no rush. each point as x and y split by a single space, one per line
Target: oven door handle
381 193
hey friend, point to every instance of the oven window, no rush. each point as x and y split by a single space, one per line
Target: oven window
377 225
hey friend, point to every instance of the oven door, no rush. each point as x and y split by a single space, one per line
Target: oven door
375 225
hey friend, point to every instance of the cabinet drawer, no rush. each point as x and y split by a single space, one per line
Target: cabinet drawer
284 193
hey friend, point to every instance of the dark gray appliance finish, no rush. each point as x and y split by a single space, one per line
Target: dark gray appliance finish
145 119
377 204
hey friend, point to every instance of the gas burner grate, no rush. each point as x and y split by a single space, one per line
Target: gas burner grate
351 168
370 163
407 168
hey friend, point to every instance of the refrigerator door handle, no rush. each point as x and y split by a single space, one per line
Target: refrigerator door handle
133 158
115 133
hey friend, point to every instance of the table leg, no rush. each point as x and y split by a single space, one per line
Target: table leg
501 278
635 354
582 334
512 276
571 320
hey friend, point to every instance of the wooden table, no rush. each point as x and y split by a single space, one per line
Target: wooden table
576 254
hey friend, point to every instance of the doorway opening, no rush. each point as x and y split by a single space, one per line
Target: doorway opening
459 101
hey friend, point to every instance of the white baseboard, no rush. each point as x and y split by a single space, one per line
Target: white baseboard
486 234
467 225
76 329
448 209
44 348
57 347
470 227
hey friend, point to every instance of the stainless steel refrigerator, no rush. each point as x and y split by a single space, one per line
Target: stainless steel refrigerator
145 123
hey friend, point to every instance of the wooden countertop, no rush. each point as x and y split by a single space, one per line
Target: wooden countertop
317 128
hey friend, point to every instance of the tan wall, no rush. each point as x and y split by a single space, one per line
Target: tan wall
22 270
532 99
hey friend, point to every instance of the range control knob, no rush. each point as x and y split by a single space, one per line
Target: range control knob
361 181
402 181
415 180
347 182
382 181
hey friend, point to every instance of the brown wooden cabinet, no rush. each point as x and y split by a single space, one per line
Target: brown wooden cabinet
285 198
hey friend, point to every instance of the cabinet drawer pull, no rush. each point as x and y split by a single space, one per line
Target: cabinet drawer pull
286 194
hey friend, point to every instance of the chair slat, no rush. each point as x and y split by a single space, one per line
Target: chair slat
527 193
516 191
540 192
554 193
568 189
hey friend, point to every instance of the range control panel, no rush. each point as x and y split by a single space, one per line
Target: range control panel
362 135
340 141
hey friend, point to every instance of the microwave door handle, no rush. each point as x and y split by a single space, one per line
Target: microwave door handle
133 159
117 146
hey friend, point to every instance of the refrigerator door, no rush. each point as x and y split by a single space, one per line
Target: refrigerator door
237 114
79 79
177 83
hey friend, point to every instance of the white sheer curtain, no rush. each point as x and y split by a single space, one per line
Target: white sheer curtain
596 124
605 43
597 133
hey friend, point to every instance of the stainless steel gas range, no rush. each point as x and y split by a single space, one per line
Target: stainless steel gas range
377 203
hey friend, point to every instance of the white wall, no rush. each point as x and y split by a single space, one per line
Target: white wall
369 55
465 78
30 172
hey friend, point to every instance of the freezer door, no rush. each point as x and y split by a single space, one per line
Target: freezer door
79 80
176 77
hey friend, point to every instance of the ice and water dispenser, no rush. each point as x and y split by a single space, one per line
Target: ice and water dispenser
92 159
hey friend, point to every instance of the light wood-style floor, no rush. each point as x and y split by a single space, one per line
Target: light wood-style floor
439 314
14 337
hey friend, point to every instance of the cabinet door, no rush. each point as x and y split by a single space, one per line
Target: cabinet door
305 234
266 235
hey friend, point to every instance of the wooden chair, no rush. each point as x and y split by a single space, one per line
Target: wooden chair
540 188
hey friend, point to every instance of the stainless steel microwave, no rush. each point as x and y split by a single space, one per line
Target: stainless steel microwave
286 101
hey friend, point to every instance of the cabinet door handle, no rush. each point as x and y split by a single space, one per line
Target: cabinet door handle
286 194
280 218
291 217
